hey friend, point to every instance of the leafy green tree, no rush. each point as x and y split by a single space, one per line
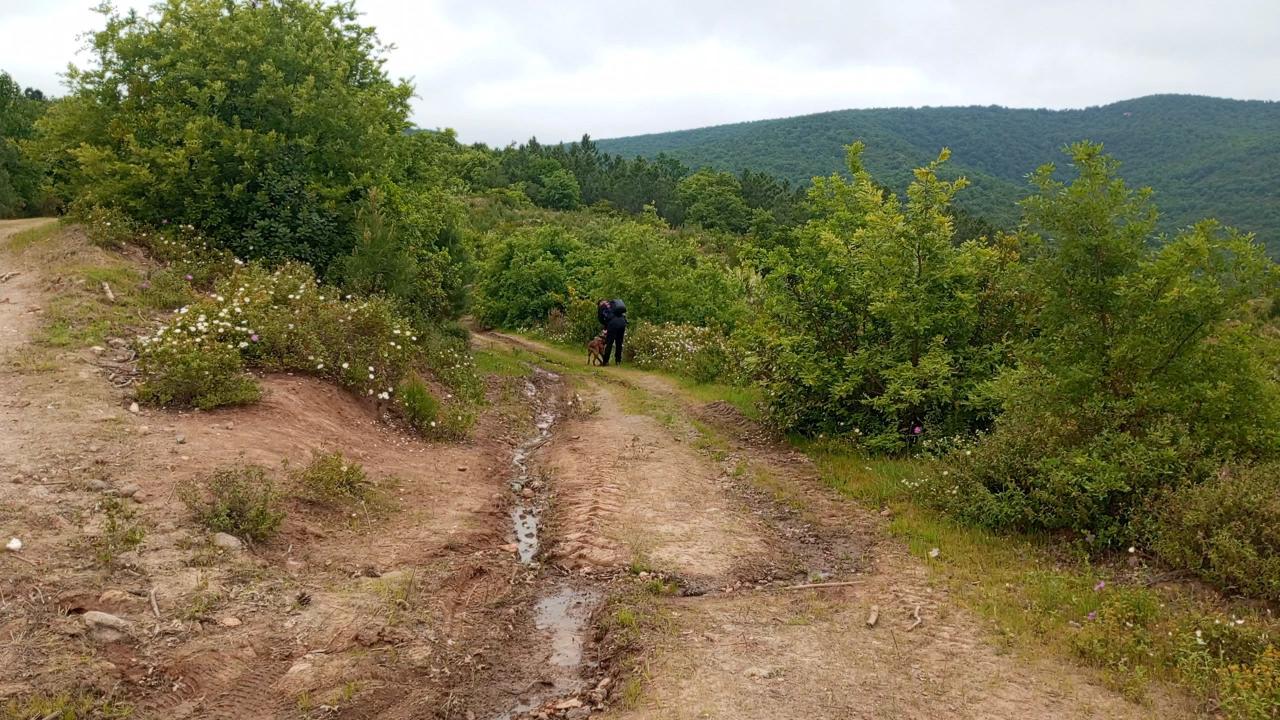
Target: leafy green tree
872 324
1143 370
260 121
559 190
20 174
527 274
714 201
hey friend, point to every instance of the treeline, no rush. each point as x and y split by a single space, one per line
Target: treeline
22 190
1207 157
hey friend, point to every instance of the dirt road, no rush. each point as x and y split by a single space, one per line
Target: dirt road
603 546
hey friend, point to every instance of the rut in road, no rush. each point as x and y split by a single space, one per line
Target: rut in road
699 493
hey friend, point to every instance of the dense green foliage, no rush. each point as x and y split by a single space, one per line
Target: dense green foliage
1142 371
259 122
1226 528
539 267
874 321
21 177
1207 157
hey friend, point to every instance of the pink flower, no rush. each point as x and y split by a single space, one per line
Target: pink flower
254 337
190 278
1101 584
917 430
1093 615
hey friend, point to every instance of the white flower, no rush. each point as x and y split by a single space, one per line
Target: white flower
345 366
1132 549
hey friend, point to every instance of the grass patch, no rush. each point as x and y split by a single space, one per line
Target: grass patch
331 478
33 236
120 533
79 705
492 361
1039 594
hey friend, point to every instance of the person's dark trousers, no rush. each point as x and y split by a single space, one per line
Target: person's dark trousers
613 342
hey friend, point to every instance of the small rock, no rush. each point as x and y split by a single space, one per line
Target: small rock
569 704
934 553
128 490
886 512
115 597
462 468
230 622
227 541
96 485
95 448
143 429
511 547
180 439
97 620
118 342
133 408
757 672
98 349
14 545
526 493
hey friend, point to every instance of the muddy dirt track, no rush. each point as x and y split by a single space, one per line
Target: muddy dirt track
603 546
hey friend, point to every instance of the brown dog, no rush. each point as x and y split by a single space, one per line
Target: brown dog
595 350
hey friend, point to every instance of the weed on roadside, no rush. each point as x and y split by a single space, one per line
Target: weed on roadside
79 705
120 532
239 499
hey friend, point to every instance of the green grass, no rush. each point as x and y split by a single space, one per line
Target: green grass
499 362
31 236
79 313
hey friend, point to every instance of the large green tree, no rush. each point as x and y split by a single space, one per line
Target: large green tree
1143 371
260 121
20 174
873 321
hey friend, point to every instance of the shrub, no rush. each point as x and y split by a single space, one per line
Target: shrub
875 318
701 353
285 320
1143 373
1252 692
420 407
331 478
263 181
240 500
1226 529
194 373
119 532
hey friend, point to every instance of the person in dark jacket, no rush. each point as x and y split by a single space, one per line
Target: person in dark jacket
615 329
604 311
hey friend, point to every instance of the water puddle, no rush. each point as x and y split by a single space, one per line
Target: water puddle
563 620
524 514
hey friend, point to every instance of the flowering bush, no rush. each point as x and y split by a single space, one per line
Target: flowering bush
702 353
285 320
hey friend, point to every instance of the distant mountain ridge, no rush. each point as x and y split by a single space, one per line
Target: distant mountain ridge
1205 157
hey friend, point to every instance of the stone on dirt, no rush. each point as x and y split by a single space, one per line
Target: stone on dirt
230 622
105 627
97 485
180 439
226 541
133 408
128 490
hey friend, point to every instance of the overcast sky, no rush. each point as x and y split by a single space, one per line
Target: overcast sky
498 71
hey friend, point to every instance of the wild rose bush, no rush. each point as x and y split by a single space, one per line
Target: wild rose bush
285 320
702 353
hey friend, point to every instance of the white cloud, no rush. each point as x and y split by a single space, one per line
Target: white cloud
500 71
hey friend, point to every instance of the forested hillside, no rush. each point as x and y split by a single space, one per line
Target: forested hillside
1206 157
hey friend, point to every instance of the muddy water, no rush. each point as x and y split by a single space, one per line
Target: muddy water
562 615
524 513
